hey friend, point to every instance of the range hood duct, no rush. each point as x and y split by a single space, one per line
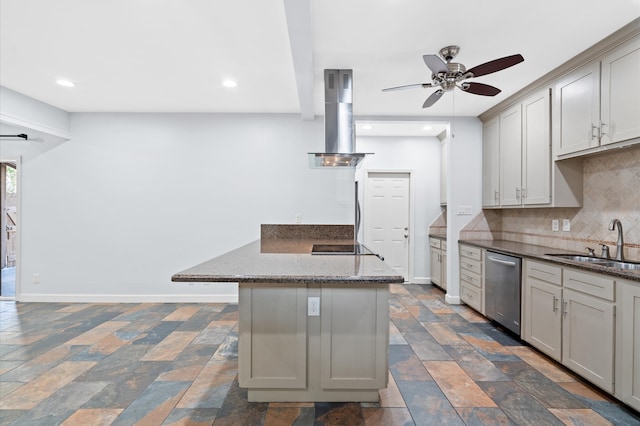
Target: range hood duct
339 130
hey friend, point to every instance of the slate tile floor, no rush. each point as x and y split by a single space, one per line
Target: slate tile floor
176 364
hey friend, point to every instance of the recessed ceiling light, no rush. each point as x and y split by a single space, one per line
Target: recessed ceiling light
229 83
366 127
427 128
65 83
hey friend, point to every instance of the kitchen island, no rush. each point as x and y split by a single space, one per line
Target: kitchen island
311 327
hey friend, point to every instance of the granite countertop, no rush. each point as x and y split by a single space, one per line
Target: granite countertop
290 261
542 253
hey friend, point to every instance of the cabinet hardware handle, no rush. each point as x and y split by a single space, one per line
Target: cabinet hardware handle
517 193
496 197
555 304
602 132
597 129
523 192
564 309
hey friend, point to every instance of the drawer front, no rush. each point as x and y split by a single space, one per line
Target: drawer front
434 242
594 284
471 252
471 296
471 278
543 271
471 265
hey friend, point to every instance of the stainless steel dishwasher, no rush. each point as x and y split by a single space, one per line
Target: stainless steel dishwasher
502 289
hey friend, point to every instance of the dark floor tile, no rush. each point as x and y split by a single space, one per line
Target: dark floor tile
425 347
549 393
128 385
8 417
228 349
475 365
458 323
28 352
191 416
55 409
518 405
92 321
405 365
116 366
481 416
158 333
153 405
237 410
427 404
615 413
338 413
500 334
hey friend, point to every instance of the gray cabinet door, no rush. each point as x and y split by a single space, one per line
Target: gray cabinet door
542 319
588 337
354 337
628 344
272 337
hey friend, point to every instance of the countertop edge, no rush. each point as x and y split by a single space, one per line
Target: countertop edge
534 252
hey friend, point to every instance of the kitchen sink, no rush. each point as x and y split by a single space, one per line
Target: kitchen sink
622 265
580 258
632 266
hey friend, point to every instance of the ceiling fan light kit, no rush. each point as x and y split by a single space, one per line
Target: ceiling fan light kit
447 75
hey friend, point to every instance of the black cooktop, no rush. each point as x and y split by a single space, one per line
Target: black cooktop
358 249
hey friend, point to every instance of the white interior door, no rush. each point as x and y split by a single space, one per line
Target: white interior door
386 218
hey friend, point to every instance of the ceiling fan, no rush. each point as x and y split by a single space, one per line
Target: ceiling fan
448 75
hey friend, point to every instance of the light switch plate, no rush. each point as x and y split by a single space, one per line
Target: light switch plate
464 210
566 225
554 225
313 306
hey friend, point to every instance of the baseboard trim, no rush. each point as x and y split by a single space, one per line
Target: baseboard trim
452 300
420 280
128 298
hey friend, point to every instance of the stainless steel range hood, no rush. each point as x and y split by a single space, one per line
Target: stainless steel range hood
339 133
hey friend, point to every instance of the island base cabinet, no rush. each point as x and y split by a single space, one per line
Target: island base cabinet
340 355
628 344
588 337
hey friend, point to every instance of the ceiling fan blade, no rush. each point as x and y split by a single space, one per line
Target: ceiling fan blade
435 63
433 98
408 86
495 65
480 89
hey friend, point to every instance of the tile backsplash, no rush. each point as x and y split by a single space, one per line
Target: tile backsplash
611 190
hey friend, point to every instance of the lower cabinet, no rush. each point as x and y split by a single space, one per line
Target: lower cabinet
570 315
285 354
438 264
628 343
471 277
541 310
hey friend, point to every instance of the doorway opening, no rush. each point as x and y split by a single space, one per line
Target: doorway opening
8 228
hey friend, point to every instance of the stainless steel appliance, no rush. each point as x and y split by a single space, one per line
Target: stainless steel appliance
339 132
502 289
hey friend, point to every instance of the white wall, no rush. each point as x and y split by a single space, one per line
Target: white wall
133 198
421 156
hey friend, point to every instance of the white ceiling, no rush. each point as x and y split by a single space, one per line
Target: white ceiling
170 55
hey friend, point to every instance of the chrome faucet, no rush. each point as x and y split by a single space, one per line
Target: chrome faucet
620 242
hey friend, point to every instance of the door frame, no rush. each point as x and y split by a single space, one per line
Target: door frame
409 172
17 161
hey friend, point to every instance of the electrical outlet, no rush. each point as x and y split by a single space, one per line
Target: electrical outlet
566 225
555 227
313 306
36 278
298 218
464 210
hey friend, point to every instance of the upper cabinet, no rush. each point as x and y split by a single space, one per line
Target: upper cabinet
517 155
491 163
599 103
